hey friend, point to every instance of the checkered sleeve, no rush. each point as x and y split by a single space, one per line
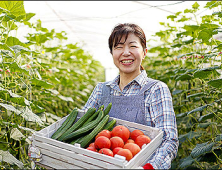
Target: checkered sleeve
94 97
162 114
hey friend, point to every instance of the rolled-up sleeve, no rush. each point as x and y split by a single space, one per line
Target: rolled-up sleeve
160 109
94 97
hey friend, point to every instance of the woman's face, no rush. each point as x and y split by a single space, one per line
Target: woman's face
128 56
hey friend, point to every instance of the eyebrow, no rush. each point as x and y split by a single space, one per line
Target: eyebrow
133 42
129 43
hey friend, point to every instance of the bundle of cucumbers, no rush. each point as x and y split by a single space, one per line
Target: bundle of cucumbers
84 130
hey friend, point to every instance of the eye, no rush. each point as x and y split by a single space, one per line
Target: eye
133 46
118 47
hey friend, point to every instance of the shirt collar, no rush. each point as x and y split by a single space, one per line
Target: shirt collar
140 80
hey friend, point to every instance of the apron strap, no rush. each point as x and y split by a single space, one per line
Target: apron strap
151 82
106 89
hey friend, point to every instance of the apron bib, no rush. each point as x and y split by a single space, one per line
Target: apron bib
129 108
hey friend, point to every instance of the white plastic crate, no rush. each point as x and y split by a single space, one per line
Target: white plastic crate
60 155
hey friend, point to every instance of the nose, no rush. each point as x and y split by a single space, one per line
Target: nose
126 52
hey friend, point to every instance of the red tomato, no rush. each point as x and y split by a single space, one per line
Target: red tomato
106 151
102 142
141 140
130 141
92 144
121 131
134 148
91 149
116 141
135 133
115 150
105 133
126 153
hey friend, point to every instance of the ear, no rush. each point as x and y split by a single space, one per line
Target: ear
145 51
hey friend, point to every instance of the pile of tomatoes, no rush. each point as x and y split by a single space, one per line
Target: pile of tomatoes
119 141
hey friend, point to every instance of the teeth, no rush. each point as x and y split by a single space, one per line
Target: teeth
127 61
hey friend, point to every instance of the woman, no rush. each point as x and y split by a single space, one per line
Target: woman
134 96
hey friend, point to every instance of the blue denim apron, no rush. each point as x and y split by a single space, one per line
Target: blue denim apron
130 108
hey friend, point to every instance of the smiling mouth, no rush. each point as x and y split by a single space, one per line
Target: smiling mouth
126 61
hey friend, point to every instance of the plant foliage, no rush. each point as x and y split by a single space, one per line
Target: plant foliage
41 80
188 60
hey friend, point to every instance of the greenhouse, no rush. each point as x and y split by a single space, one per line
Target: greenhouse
74 95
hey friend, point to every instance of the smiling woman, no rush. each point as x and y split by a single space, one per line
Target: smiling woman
134 96
127 45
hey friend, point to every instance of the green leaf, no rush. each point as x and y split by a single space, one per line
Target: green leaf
201 149
189 135
205 72
54 117
205 125
15 98
219 47
176 45
191 28
211 4
205 117
217 83
25 17
37 108
184 77
18 48
177 92
9 158
201 108
10 25
53 91
61 35
184 19
51 49
195 5
181 115
6 47
68 99
16 134
188 11
41 83
218 138
202 74
28 115
10 108
11 41
172 17
186 162
15 68
196 95
14 7
208 26
39 38
188 41
217 13
205 35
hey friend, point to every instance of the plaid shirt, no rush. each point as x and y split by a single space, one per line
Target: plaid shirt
159 111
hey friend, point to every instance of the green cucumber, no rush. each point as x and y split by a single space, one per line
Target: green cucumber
110 125
85 129
76 140
88 138
106 111
101 107
91 118
79 123
66 124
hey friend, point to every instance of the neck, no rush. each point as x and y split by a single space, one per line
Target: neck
126 78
